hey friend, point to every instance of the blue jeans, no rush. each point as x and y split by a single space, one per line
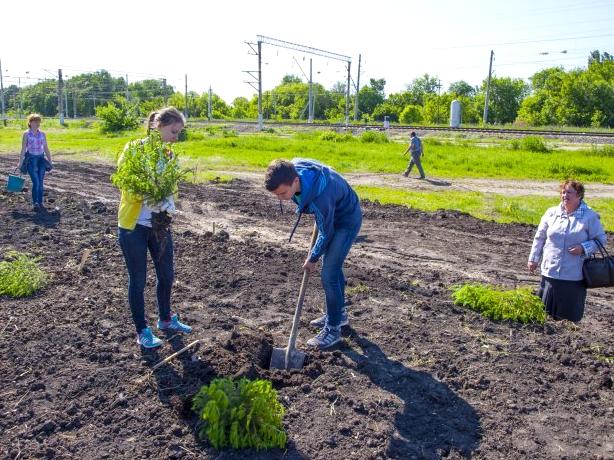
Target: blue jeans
134 244
333 280
36 169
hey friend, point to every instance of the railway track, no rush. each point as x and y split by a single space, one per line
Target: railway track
379 127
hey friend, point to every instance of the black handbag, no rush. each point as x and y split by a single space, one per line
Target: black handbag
599 271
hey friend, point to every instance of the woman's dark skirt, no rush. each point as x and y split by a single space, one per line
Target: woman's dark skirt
563 299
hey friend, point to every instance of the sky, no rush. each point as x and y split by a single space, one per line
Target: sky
397 40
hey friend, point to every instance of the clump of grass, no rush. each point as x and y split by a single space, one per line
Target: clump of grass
602 151
333 136
20 275
360 288
534 144
514 144
374 137
500 304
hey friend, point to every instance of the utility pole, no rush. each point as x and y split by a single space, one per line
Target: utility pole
357 89
66 102
164 91
127 92
438 100
60 98
310 99
485 118
347 96
209 104
185 112
260 120
74 103
2 95
303 49
20 98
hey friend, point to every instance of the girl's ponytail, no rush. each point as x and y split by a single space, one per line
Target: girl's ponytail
150 121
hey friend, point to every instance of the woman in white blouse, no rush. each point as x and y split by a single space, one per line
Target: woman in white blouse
564 238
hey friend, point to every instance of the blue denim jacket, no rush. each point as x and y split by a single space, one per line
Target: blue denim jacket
557 232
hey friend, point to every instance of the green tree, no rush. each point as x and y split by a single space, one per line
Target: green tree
462 88
506 94
421 86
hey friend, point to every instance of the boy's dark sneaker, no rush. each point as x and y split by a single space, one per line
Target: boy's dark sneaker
321 321
326 338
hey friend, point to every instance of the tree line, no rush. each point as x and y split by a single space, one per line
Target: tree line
580 97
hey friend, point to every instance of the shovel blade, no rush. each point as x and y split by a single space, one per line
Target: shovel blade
278 359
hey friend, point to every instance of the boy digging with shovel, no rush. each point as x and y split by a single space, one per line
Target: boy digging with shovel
317 189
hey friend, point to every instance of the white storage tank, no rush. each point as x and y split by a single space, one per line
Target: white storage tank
455 114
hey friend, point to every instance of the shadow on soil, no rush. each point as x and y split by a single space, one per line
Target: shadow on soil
435 421
43 218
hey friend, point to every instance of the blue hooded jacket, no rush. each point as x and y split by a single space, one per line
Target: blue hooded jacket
328 196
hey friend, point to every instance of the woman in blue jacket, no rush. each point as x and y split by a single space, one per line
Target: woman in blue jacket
317 189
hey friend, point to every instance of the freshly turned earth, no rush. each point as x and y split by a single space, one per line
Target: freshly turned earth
415 376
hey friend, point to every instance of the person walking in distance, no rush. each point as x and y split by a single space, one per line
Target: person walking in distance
416 152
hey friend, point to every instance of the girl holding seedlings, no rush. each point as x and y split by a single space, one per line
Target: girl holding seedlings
143 228
35 158
564 238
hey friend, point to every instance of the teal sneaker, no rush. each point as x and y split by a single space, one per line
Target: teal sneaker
146 339
174 325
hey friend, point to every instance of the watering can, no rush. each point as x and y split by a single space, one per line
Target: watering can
15 183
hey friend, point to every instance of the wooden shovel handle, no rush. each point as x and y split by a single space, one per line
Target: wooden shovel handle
299 302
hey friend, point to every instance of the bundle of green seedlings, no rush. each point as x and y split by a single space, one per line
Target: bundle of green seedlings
240 413
20 275
499 304
147 169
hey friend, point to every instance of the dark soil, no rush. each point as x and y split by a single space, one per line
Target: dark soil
415 376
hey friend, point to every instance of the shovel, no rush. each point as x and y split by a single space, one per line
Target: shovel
289 357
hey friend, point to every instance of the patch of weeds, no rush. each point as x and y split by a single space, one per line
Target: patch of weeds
20 275
514 144
500 304
333 136
534 144
602 151
599 353
360 288
374 137
241 414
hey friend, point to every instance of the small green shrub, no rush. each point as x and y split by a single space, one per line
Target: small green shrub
241 414
333 136
374 137
534 144
117 115
20 275
146 169
514 144
499 304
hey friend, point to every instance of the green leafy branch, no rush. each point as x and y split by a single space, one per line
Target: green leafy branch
241 414
148 168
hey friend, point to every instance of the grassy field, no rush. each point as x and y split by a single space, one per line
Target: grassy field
488 206
219 148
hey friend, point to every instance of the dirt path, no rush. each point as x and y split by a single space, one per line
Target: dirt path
415 377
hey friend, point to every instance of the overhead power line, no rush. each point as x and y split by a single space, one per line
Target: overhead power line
529 41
